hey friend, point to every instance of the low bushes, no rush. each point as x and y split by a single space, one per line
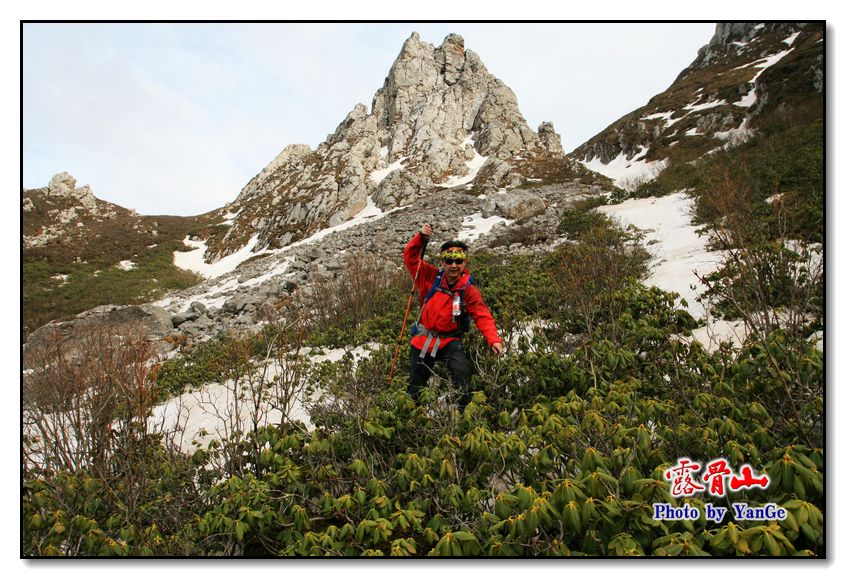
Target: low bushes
562 451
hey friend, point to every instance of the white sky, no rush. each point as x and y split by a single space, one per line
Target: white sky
176 118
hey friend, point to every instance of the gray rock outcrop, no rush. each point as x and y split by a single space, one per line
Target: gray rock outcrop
64 185
67 205
148 320
549 139
439 116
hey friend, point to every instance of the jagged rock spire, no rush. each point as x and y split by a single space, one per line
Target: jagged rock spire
438 116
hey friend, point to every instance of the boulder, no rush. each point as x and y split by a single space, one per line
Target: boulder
517 205
61 185
157 319
181 318
64 185
238 302
496 174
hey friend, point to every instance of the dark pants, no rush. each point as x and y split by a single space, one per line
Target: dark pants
457 363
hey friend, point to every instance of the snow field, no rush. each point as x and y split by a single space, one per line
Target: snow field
215 410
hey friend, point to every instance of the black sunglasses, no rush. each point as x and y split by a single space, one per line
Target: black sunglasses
451 261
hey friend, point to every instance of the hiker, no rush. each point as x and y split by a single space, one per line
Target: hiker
445 315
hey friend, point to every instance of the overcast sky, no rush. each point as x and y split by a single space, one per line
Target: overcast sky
176 118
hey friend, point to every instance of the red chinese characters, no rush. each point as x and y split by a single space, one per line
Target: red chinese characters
748 481
717 471
684 483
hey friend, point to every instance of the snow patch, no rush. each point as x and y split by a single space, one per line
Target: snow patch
623 171
812 254
665 116
678 251
473 166
126 265
715 332
475 226
229 218
691 108
379 175
278 269
769 61
214 410
704 106
735 136
211 413
748 99
217 295
370 212
790 39
358 354
764 63
528 330
194 260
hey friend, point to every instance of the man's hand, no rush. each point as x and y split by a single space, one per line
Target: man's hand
498 348
426 230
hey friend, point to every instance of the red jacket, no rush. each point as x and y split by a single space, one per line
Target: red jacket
437 315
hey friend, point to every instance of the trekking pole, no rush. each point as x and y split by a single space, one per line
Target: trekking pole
408 309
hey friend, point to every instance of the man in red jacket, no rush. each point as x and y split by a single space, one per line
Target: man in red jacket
436 337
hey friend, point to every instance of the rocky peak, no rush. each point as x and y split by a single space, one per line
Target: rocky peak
438 119
549 139
727 32
291 155
436 97
64 185
61 211
451 57
56 211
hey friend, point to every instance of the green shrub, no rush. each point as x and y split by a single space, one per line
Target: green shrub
212 361
580 219
557 454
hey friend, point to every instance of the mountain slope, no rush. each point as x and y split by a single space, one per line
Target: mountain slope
80 252
748 73
445 142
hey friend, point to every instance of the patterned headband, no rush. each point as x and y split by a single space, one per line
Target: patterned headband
454 254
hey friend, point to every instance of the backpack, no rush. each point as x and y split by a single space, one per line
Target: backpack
463 318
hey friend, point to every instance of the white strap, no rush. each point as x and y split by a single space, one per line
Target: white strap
428 341
435 347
